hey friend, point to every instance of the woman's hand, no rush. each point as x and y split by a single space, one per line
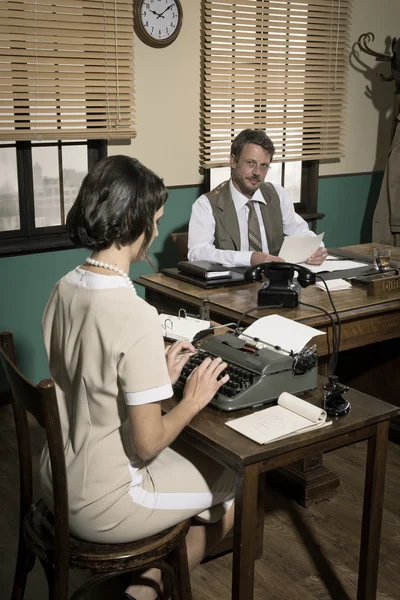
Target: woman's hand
203 383
175 363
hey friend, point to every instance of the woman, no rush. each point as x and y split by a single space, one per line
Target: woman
107 358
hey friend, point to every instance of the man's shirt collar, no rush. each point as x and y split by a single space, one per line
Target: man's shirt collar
240 199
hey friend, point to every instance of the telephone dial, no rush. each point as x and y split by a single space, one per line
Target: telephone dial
279 289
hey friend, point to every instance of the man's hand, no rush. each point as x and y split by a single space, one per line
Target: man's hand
318 257
177 355
262 257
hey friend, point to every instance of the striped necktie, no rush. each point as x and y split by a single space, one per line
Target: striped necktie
255 243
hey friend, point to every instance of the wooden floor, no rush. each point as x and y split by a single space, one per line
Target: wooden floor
308 554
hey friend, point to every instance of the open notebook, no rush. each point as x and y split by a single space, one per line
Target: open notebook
290 416
182 328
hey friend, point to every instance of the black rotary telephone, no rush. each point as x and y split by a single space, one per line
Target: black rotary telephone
279 289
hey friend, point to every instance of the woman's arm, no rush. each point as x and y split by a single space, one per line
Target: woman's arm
151 432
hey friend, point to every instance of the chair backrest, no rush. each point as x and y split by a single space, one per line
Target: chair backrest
181 241
41 402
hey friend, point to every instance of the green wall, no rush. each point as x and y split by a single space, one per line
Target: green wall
348 202
26 281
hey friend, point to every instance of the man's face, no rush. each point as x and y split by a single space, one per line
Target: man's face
249 170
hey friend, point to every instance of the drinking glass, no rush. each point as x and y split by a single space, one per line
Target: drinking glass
381 259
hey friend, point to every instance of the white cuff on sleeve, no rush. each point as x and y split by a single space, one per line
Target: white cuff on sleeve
147 396
242 258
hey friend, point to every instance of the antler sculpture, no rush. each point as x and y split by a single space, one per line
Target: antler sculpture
394 58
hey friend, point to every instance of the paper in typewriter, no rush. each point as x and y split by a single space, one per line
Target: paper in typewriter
182 328
289 417
280 332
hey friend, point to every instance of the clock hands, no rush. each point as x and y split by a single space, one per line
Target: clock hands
168 7
158 15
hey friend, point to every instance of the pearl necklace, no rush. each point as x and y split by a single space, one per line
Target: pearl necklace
102 265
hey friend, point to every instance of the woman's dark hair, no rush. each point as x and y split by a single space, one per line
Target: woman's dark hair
252 136
116 203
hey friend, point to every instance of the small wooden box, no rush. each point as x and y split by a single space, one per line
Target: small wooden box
386 285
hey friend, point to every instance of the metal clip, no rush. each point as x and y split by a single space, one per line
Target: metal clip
204 310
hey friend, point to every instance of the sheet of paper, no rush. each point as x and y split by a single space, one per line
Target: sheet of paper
335 265
273 430
284 333
296 249
334 285
292 415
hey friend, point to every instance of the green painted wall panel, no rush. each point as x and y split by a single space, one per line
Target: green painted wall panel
26 281
348 203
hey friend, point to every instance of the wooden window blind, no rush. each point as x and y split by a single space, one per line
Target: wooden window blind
66 69
276 65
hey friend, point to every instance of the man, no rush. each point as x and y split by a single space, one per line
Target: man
243 221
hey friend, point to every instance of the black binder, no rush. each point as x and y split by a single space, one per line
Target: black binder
204 269
234 279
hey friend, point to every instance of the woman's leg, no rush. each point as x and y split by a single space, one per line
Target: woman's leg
200 540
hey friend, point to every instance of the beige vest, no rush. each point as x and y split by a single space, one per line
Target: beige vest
227 234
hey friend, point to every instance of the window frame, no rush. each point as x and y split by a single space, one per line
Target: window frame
28 238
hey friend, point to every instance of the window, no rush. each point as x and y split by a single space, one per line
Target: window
277 65
38 184
67 74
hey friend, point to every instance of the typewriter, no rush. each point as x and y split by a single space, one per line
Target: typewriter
256 375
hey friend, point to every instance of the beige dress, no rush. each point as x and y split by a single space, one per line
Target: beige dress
106 351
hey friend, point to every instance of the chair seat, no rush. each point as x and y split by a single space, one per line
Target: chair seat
39 535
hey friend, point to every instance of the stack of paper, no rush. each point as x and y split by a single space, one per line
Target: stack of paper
334 285
335 265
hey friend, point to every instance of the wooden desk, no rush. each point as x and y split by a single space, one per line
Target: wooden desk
369 348
368 420
365 319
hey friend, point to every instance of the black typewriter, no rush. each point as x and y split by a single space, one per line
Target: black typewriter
256 376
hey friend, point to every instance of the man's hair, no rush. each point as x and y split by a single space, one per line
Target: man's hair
116 204
252 136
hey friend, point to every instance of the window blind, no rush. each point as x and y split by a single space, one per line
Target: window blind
276 65
66 69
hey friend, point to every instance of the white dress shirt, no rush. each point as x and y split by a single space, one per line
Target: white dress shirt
202 228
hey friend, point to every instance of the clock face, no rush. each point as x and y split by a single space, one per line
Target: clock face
160 21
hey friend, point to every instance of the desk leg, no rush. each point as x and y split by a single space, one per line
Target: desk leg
260 514
372 513
245 533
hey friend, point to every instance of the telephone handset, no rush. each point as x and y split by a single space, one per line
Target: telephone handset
279 289
305 276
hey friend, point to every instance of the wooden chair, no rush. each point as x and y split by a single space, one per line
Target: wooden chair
181 241
46 536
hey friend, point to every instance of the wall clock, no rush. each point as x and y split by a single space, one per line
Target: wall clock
158 22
